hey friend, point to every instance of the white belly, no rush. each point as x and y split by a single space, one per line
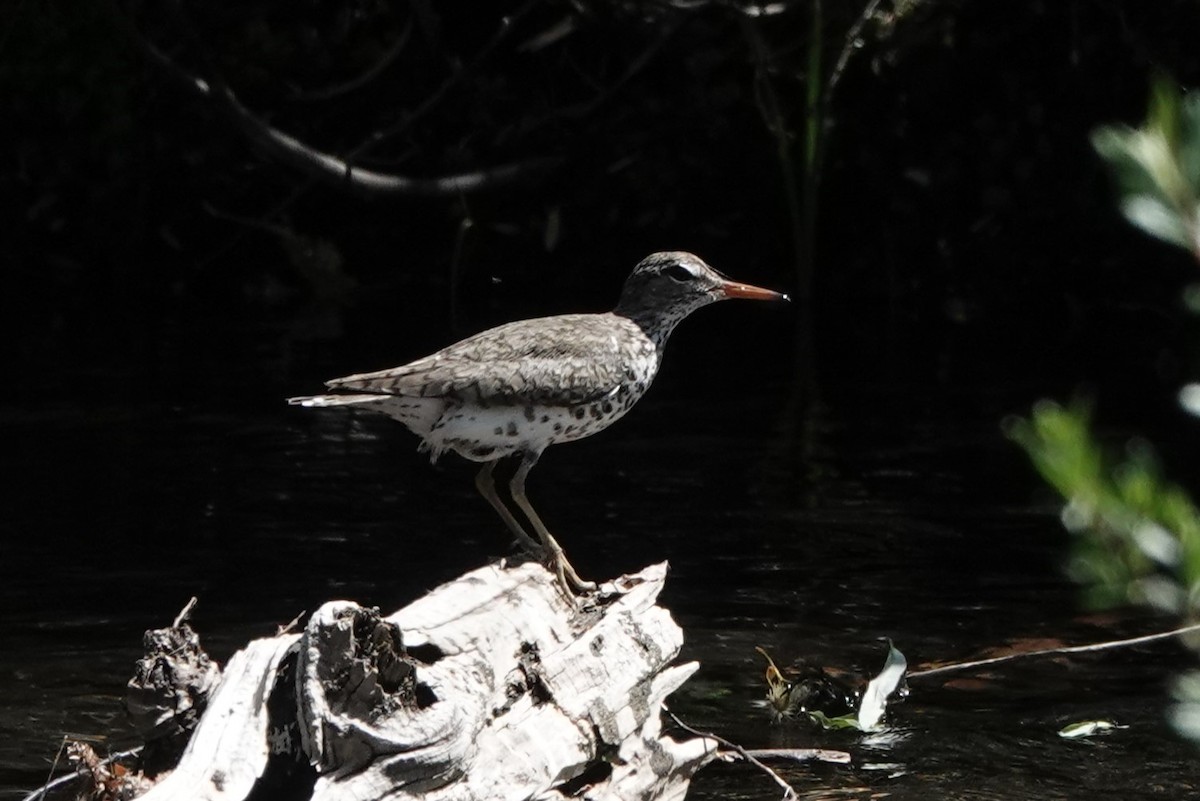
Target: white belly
485 433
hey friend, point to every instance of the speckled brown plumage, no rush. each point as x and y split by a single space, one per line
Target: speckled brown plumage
518 388
552 361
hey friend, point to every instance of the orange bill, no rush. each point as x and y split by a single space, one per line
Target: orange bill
748 292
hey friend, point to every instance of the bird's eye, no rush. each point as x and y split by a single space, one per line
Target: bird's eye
680 273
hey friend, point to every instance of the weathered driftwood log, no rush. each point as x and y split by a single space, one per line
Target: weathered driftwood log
495 686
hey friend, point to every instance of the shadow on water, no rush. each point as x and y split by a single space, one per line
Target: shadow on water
903 523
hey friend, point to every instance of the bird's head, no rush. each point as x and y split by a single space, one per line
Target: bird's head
672 284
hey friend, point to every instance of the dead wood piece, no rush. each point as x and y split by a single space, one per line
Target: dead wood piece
494 686
169 691
228 751
523 692
638 772
353 670
171 683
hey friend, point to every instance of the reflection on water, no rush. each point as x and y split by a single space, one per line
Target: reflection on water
913 526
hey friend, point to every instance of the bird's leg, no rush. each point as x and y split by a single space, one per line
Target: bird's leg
487 488
566 574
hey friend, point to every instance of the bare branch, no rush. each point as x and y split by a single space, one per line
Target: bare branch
801 754
342 172
368 75
850 44
788 790
41 793
507 24
324 166
1070 649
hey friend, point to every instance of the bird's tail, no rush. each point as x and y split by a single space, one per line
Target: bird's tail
318 401
419 414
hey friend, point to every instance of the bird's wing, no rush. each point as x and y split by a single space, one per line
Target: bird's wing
557 361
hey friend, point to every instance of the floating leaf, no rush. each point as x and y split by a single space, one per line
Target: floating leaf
817 693
1088 728
874 700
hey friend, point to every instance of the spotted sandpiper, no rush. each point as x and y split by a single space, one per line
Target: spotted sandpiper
518 388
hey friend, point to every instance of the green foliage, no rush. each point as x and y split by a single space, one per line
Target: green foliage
1138 534
1157 166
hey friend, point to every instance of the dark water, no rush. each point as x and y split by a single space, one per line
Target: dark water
902 519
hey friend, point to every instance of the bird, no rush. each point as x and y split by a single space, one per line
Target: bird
518 388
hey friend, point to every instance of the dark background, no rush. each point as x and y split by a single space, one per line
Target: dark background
966 232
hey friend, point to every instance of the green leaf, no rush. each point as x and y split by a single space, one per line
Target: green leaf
1185 715
1163 114
1189 140
1118 146
1156 168
1155 217
848 721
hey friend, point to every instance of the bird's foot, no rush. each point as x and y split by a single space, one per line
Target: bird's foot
568 578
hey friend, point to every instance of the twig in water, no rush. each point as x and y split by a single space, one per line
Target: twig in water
1069 649
788 791
801 754
62 746
40 793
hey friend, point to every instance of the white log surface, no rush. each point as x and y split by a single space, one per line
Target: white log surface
505 688
228 751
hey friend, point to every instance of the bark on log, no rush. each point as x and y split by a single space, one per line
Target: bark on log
494 686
